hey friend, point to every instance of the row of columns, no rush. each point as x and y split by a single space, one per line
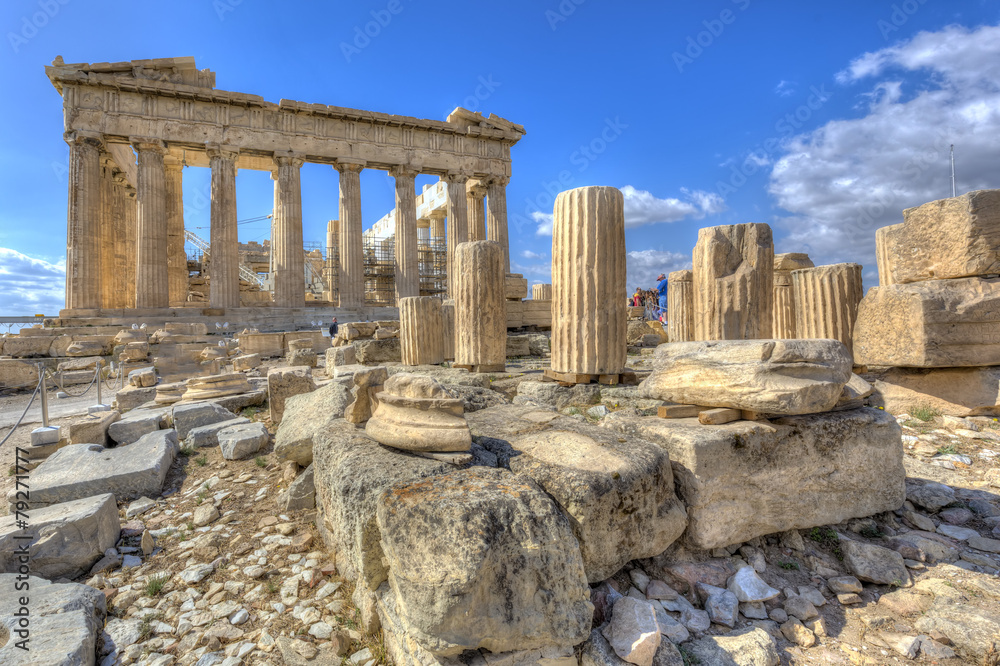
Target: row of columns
97 213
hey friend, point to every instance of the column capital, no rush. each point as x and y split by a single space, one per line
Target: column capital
82 137
148 145
437 214
349 165
172 163
456 177
289 159
403 171
214 150
475 190
500 181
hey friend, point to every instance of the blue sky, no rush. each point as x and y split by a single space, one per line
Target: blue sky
824 120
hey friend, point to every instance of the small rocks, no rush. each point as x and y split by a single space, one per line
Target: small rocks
205 514
874 564
748 586
987 545
799 607
241 441
721 605
844 585
633 632
930 495
795 632
955 516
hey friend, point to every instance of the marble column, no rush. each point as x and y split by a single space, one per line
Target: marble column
457 231
123 222
541 292
106 233
496 216
783 319
680 306
437 226
83 270
826 302
151 288
332 263
589 306
224 291
289 263
352 260
421 330
177 272
733 282
480 308
475 193
407 257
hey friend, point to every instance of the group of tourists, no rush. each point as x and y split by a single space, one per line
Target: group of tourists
653 301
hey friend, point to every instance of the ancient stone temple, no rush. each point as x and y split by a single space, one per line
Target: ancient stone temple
133 126
733 282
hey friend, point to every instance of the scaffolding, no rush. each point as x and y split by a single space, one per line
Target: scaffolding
433 258
380 271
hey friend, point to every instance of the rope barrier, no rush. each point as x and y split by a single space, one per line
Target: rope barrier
41 377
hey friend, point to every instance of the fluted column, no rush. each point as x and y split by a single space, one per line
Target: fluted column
733 282
448 328
496 217
332 263
475 194
225 268
457 231
351 276
480 307
177 272
407 258
123 222
421 330
783 320
541 292
826 302
289 266
83 270
106 233
437 226
589 306
680 306
151 287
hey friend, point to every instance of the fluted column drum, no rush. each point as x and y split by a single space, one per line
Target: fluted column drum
421 330
351 276
783 318
480 307
448 328
82 251
151 278
826 302
589 305
177 272
680 306
733 282
224 288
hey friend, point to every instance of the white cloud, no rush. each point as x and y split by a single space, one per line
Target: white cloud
528 254
643 266
642 207
845 179
30 286
544 221
785 88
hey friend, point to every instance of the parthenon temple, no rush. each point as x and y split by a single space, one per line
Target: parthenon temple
133 126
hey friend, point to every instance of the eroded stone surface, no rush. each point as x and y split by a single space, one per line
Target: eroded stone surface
505 539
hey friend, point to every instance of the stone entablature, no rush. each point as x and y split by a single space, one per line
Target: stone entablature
109 99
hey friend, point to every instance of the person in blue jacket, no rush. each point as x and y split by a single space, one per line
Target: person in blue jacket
661 287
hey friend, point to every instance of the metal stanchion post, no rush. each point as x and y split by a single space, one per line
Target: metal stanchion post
100 406
46 435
